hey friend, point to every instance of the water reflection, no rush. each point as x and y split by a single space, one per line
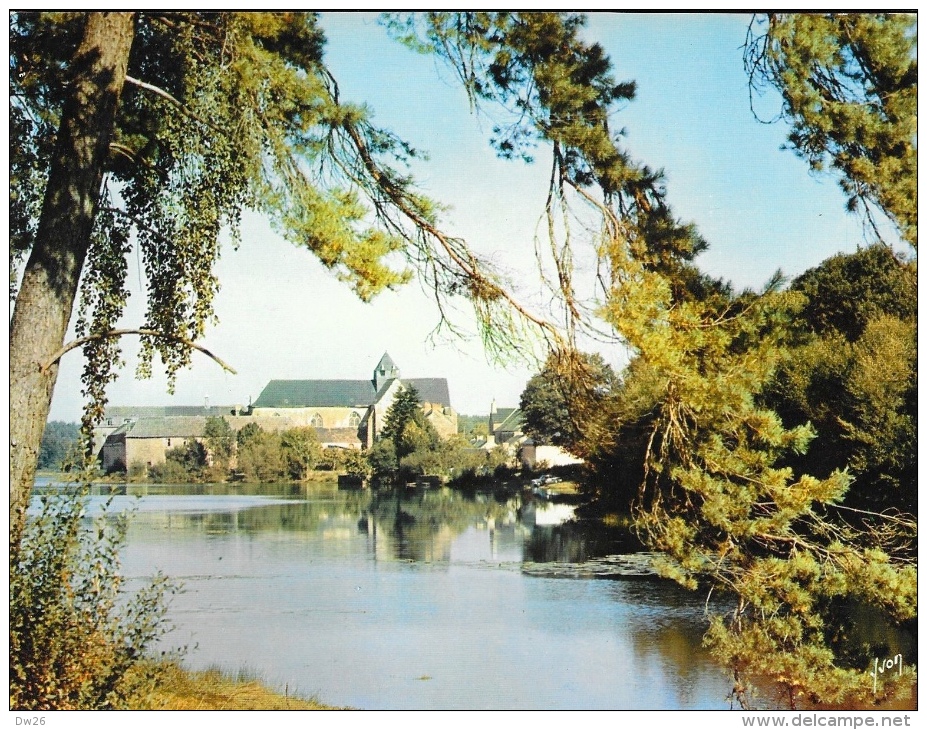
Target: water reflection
422 599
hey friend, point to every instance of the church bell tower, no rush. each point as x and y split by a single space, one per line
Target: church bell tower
385 371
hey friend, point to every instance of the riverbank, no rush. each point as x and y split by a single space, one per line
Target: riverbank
168 686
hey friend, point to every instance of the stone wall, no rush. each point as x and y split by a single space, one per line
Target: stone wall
150 451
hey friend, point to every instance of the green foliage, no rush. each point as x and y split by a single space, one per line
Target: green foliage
59 442
220 440
348 461
546 412
404 409
192 456
848 290
420 437
224 112
188 462
246 433
382 459
74 633
718 499
409 446
355 463
499 457
421 451
301 449
261 458
849 88
473 426
137 471
561 403
470 469
852 373
277 456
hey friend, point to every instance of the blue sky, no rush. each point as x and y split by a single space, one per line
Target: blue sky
282 316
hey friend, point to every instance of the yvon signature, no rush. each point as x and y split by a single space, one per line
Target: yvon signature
887 664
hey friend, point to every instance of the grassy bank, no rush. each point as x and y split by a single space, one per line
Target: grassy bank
167 686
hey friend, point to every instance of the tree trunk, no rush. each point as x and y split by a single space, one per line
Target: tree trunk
50 281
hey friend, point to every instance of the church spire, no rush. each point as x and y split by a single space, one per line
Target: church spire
385 371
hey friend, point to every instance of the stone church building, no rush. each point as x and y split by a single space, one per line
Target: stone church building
350 413
344 414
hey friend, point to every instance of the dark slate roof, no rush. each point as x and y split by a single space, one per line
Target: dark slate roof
121 412
343 393
322 393
430 390
121 431
175 427
382 391
512 419
503 413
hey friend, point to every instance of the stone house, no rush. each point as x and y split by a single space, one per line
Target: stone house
146 440
506 428
532 454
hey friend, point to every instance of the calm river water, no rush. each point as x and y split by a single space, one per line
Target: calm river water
431 601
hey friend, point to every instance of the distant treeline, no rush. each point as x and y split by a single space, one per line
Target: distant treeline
59 444
475 425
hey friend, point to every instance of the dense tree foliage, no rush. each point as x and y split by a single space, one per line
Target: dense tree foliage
346 461
188 462
246 433
719 499
408 444
852 374
260 458
251 454
709 459
157 130
75 637
60 445
849 88
405 410
409 447
562 404
219 439
301 449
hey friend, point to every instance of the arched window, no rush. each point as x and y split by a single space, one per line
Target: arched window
316 421
354 420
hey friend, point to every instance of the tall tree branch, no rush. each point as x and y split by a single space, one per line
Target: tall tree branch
174 101
121 333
